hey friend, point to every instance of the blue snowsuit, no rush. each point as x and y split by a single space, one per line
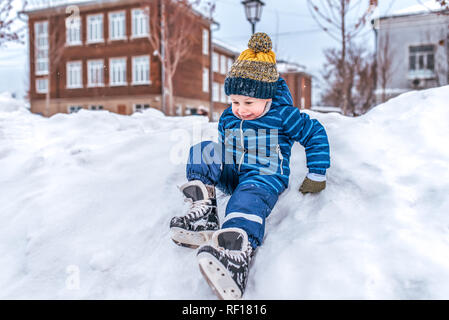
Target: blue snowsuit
251 160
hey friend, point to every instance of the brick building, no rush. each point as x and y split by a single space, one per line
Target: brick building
299 82
102 59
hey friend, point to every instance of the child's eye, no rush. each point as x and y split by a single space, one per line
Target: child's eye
235 103
249 102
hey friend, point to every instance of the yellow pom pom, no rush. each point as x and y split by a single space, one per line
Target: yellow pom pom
260 42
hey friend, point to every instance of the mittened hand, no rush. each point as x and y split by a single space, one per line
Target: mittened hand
311 186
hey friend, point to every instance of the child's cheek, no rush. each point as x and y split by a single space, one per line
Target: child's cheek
259 110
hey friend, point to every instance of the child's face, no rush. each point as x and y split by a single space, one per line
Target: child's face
247 108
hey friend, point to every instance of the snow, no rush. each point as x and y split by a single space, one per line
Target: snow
227 46
325 109
285 67
426 6
9 104
86 200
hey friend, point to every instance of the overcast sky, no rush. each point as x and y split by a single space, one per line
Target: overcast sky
296 37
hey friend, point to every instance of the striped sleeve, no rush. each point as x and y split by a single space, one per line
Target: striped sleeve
311 134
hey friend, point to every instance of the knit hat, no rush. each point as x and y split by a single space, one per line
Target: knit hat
254 73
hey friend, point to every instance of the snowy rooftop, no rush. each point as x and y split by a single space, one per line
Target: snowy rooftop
428 6
227 46
424 7
285 66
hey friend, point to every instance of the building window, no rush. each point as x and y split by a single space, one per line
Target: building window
141 70
205 79
95 28
95 74
73 109
117 25
205 41
222 64
42 85
74 75
41 47
222 94
216 91
215 62
230 61
73 31
117 72
141 107
421 61
140 23
191 110
96 107
178 110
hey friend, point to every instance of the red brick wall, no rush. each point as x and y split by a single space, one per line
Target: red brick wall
187 80
300 85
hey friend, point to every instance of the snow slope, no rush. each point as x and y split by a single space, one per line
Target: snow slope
86 200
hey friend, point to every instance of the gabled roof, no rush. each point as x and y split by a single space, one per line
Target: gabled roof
225 46
424 8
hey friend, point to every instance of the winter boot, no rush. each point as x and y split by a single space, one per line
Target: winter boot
196 226
224 262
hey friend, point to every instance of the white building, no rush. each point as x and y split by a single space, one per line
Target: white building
412 49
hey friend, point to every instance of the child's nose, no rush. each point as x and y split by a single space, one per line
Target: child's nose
243 111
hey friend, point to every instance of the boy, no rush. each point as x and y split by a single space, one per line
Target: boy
250 163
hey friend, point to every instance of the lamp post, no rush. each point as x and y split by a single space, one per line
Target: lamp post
253 11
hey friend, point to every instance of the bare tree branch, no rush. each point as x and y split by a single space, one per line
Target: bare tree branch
7 34
338 19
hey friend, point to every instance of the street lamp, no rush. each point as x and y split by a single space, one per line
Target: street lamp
253 11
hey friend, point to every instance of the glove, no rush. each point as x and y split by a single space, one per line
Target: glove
311 185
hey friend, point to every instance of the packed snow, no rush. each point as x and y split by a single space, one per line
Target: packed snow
421 7
86 201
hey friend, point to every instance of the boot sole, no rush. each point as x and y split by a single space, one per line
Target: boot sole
190 239
218 277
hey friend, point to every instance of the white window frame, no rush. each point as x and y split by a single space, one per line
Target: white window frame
230 61
215 92
222 93
137 22
73 31
96 107
205 42
101 33
97 64
141 107
39 87
222 64
205 79
41 48
74 108
178 110
121 73
422 54
72 67
215 62
137 67
117 22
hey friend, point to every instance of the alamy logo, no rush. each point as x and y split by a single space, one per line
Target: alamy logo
256 149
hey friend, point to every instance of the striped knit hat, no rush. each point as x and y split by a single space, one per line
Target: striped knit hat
254 73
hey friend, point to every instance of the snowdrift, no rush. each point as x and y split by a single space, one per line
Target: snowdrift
86 200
